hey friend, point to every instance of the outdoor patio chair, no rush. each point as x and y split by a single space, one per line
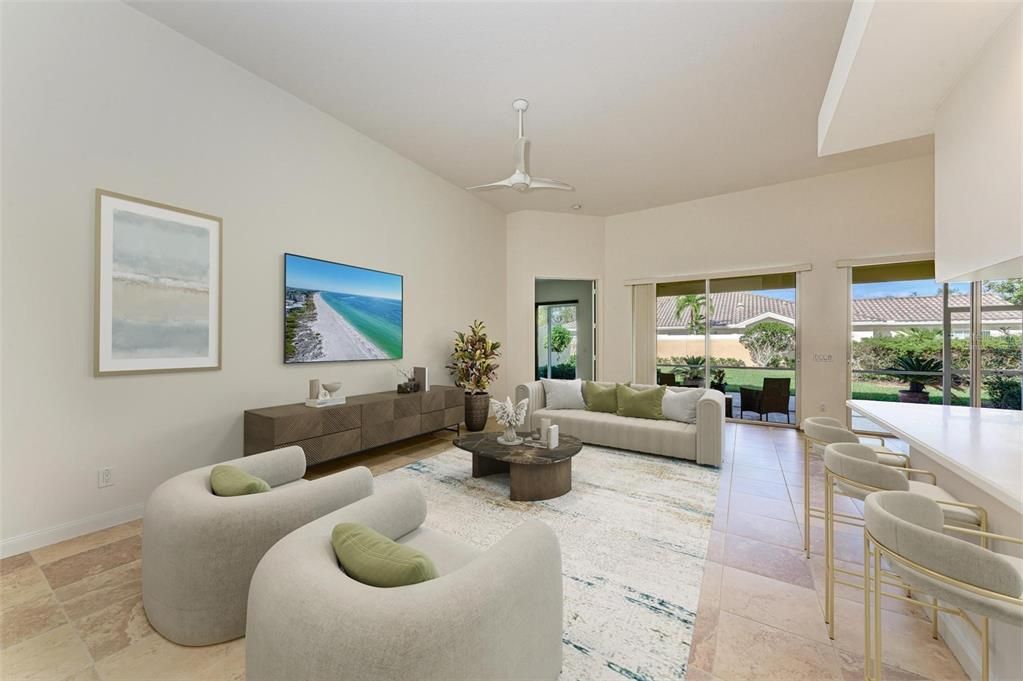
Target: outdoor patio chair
666 378
749 400
775 397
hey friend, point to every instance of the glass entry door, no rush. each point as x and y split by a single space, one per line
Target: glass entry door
556 339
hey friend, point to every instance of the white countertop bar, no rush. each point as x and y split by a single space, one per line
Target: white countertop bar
984 446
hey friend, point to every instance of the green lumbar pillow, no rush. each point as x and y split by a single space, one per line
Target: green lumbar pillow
231 481
642 404
371 558
600 397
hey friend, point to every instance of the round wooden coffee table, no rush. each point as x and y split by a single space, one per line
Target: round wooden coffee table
536 473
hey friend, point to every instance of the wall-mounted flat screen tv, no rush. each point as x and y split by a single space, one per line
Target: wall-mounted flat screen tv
340 313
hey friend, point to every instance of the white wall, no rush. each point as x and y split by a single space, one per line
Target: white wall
551 246
978 173
99 95
876 211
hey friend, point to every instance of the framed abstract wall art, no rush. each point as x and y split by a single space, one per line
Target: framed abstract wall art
158 287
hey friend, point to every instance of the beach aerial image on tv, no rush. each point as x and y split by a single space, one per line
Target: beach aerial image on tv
337 313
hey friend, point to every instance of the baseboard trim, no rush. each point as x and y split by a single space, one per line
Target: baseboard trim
963 643
69 530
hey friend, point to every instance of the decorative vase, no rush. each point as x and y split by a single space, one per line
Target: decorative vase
408 387
914 396
477 409
510 437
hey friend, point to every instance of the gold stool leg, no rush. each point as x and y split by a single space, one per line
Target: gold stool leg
866 608
829 552
806 496
877 613
984 662
934 618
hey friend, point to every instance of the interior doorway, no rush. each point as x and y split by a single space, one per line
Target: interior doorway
565 329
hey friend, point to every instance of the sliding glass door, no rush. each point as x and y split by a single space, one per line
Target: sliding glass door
737 335
917 341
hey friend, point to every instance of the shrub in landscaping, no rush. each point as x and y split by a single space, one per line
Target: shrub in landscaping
1003 392
770 344
997 352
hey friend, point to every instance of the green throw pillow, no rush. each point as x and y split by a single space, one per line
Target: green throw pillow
642 404
231 481
371 558
600 397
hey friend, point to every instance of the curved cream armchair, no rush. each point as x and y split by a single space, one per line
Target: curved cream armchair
199 550
494 614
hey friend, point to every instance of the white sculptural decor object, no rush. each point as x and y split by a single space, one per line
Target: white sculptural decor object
552 437
326 394
510 415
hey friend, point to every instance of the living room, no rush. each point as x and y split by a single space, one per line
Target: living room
338 165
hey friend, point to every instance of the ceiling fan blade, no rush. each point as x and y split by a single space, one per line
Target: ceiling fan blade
493 185
521 149
544 183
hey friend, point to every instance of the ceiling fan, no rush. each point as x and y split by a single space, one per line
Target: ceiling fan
520 180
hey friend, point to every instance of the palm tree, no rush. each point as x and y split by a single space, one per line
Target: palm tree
696 304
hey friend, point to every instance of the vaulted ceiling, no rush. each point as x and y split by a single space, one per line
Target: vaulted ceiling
636 104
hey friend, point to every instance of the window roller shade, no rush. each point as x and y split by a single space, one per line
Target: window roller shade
901 271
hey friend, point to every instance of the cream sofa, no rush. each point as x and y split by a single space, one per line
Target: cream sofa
493 614
199 550
701 442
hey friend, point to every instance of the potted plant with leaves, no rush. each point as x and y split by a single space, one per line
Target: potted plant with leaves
472 364
692 371
717 380
920 373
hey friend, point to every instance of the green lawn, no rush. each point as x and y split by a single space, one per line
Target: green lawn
889 392
861 390
751 378
754 378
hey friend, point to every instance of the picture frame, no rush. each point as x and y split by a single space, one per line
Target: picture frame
158 287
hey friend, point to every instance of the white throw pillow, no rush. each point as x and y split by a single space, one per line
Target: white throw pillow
681 405
562 394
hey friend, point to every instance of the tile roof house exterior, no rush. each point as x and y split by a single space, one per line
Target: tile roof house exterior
731 314
871 316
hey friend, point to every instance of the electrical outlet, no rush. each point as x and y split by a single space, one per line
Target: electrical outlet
105 477
824 407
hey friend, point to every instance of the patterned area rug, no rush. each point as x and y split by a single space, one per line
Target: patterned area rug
633 532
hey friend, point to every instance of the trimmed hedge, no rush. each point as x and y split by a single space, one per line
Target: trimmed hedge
997 352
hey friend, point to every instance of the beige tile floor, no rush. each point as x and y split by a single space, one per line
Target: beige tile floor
761 611
73 610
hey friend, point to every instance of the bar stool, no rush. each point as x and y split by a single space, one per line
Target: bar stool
907 529
819 432
852 470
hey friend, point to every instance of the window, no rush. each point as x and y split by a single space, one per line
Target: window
1000 355
915 340
556 339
